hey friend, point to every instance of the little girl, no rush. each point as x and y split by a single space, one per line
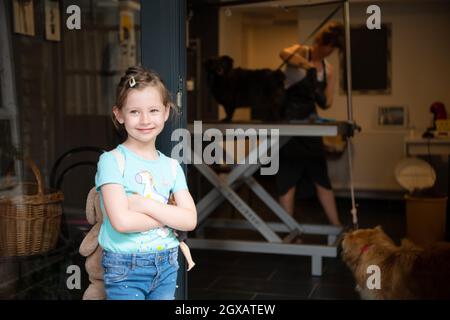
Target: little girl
137 234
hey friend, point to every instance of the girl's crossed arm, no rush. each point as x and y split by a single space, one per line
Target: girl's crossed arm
122 218
181 217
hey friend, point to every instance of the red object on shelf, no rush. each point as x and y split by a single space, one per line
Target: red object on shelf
438 110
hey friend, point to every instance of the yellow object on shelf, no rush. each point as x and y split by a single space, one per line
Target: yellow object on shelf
443 125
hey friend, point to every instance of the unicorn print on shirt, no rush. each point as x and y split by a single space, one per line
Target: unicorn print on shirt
145 178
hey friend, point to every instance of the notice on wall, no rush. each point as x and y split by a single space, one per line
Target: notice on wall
127 39
52 20
24 17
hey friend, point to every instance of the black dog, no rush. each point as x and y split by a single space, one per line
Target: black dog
262 89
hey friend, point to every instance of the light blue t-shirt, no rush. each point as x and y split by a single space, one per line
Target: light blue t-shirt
150 178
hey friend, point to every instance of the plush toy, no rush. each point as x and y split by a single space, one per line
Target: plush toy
91 249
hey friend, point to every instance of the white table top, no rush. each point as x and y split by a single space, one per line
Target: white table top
285 129
419 139
416 146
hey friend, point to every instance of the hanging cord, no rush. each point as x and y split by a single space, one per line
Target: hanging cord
353 211
311 34
430 161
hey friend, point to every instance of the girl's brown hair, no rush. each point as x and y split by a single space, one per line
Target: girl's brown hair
138 78
332 34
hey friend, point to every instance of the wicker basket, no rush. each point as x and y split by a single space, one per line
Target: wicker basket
29 219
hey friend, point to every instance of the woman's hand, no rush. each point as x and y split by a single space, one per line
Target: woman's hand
329 92
296 55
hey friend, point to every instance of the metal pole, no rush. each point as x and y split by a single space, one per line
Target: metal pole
348 63
348 68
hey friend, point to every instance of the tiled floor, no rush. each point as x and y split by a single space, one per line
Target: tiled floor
237 275
220 274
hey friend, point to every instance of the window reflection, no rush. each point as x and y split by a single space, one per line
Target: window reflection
63 92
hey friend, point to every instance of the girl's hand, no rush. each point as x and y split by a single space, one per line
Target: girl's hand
182 217
137 203
172 200
122 218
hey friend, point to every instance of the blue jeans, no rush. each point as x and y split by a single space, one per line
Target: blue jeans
141 276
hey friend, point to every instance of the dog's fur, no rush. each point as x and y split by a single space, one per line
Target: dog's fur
262 89
407 271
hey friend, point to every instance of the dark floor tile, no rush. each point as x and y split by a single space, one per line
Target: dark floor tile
250 272
243 269
212 258
343 279
243 276
200 280
269 287
335 272
266 262
301 277
334 266
335 292
289 275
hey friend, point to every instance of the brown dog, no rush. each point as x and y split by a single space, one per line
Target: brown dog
406 271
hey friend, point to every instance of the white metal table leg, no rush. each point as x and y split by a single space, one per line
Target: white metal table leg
316 265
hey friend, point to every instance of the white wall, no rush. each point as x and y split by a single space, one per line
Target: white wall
420 76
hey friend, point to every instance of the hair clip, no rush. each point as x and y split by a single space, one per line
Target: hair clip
132 82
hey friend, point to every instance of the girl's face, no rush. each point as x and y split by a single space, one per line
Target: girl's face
143 115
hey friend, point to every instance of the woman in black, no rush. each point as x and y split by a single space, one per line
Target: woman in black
309 81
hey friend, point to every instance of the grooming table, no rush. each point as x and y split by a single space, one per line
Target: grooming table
242 173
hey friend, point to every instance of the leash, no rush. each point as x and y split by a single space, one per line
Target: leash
311 34
353 211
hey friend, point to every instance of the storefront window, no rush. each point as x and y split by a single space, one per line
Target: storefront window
64 88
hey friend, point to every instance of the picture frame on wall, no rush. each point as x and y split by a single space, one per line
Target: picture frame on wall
392 117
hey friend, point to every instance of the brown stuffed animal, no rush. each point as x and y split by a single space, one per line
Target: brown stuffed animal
90 248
